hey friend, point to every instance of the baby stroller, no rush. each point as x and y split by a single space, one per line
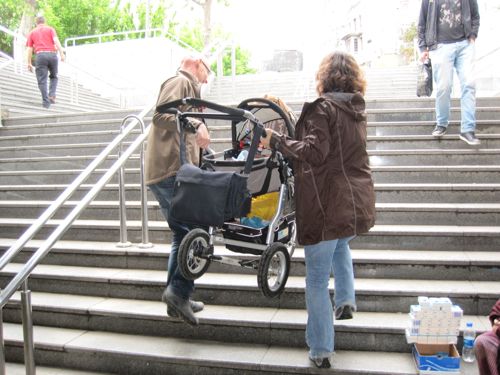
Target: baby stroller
268 231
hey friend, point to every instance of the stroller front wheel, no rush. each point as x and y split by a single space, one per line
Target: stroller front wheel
190 262
274 267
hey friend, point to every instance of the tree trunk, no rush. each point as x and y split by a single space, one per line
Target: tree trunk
207 11
27 18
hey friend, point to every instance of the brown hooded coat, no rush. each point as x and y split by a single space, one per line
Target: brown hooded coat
334 191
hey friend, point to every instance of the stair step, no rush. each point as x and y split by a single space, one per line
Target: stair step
368 263
426 114
405 128
70 117
387 213
256 325
416 237
143 355
439 174
19 369
386 192
374 295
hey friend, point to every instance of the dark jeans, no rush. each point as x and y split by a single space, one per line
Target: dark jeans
46 62
163 191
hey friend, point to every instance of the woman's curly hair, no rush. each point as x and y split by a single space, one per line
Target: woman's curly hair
340 72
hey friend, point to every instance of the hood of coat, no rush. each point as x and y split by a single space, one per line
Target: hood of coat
351 103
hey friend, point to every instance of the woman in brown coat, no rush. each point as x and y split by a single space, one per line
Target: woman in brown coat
335 198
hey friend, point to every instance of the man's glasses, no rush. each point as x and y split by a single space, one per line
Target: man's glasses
206 67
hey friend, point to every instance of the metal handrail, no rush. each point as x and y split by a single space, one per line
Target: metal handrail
3 65
21 278
19 42
75 71
144 199
126 34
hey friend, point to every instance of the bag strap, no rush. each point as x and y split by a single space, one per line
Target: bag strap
258 130
182 143
257 133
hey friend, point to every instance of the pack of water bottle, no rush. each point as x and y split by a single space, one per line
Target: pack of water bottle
433 329
434 321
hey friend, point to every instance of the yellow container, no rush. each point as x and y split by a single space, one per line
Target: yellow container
264 206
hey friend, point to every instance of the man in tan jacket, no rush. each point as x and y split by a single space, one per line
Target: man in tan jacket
162 163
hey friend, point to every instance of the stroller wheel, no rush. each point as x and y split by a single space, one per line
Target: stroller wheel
274 267
189 259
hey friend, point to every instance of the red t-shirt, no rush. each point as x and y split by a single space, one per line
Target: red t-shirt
42 39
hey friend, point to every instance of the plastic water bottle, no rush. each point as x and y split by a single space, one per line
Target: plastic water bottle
242 155
468 348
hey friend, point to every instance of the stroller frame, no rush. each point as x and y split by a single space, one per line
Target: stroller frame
273 244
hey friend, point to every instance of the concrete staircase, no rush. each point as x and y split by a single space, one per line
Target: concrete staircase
20 95
296 86
96 307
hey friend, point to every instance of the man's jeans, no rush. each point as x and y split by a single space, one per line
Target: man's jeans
46 62
321 259
163 191
444 59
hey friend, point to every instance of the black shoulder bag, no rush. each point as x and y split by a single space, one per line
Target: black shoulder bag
209 198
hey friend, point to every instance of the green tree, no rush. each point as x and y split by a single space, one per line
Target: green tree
11 12
242 60
194 37
206 5
73 18
407 49
82 17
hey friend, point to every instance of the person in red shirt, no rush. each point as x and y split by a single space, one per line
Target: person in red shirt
43 41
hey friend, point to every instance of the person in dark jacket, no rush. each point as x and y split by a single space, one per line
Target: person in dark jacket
334 194
447 30
487 345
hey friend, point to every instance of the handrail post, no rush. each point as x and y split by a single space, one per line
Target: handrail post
144 197
2 346
27 318
233 69
121 193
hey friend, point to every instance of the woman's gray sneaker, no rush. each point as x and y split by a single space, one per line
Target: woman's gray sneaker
470 138
344 312
321 362
439 131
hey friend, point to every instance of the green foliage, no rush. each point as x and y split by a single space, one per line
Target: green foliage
83 17
407 49
242 60
73 18
410 33
11 12
192 36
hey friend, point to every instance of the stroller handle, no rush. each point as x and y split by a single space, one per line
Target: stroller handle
171 107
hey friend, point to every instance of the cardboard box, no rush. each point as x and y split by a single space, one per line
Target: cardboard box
436 359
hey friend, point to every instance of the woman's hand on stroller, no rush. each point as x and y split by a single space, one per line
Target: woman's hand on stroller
265 140
202 136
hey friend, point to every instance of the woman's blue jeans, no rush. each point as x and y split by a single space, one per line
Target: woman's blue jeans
163 191
445 59
321 260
